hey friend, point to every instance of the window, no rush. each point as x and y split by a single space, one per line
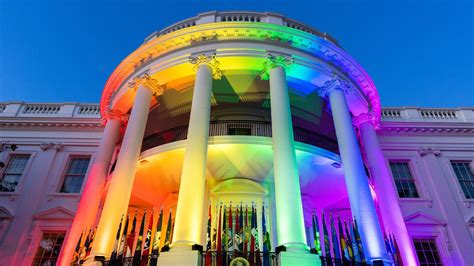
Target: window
427 252
465 176
404 180
49 248
75 174
239 131
12 174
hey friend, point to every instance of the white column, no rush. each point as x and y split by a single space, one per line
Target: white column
121 183
188 228
90 200
362 204
388 200
289 209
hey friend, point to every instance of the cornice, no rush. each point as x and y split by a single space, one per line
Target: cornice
51 124
422 129
228 31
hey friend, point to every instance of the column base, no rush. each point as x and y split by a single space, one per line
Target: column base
298 258
180 257
94 261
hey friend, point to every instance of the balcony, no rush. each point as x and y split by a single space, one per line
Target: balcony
240 128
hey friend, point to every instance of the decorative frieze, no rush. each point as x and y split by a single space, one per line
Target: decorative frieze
209 60
274 61
46 146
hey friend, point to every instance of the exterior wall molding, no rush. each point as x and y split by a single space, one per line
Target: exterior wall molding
274 61
49 124
207 59
429 150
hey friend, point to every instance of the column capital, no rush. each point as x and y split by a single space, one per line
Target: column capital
145 80
114 114
423 151
363 118
209 60
335 83
273 61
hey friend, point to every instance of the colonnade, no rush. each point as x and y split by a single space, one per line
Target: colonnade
191 205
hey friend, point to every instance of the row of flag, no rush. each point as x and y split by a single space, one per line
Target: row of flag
345 243
129 244
236 234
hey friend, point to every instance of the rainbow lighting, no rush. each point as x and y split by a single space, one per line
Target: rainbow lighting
237 144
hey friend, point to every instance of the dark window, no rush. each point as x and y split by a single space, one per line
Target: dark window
49 248
465 176
427 252
404 180
13 172
75 174
239 131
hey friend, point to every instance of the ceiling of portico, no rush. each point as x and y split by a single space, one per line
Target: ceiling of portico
159 172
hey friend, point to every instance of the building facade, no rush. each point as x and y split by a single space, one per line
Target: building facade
236 137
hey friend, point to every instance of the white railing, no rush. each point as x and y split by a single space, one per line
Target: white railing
20 109
240 16
434 114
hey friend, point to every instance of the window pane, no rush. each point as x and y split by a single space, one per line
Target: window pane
49 247
404 180
427 252
75 175
12 174
465 176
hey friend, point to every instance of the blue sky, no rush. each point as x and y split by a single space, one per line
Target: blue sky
419 52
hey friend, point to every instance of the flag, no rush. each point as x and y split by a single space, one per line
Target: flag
242 229
237 232
254 244
138 249
168 231
344 246
387 247
77 250
88 247
113 256
83 254
214 230
247 233
327 252
157 241
355 247
359 242
146 246
335 240
396 251
208 236
230 233
267 246
131 238
317 241
123 238
224 237
219 238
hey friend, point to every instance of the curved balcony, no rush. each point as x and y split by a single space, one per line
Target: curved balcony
240 128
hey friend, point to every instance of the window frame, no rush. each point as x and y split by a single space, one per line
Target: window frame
413 176
455 177
436 243
65 169
21 179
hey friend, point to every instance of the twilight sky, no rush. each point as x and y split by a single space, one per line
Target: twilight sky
418 52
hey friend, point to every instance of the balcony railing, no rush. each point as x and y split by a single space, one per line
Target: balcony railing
240 128
428 114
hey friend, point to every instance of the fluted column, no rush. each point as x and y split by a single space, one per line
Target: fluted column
388 200
90 200
188 226
289 209
121 183
360 197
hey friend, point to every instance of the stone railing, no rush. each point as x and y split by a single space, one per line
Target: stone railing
240 16
431 114
20 109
